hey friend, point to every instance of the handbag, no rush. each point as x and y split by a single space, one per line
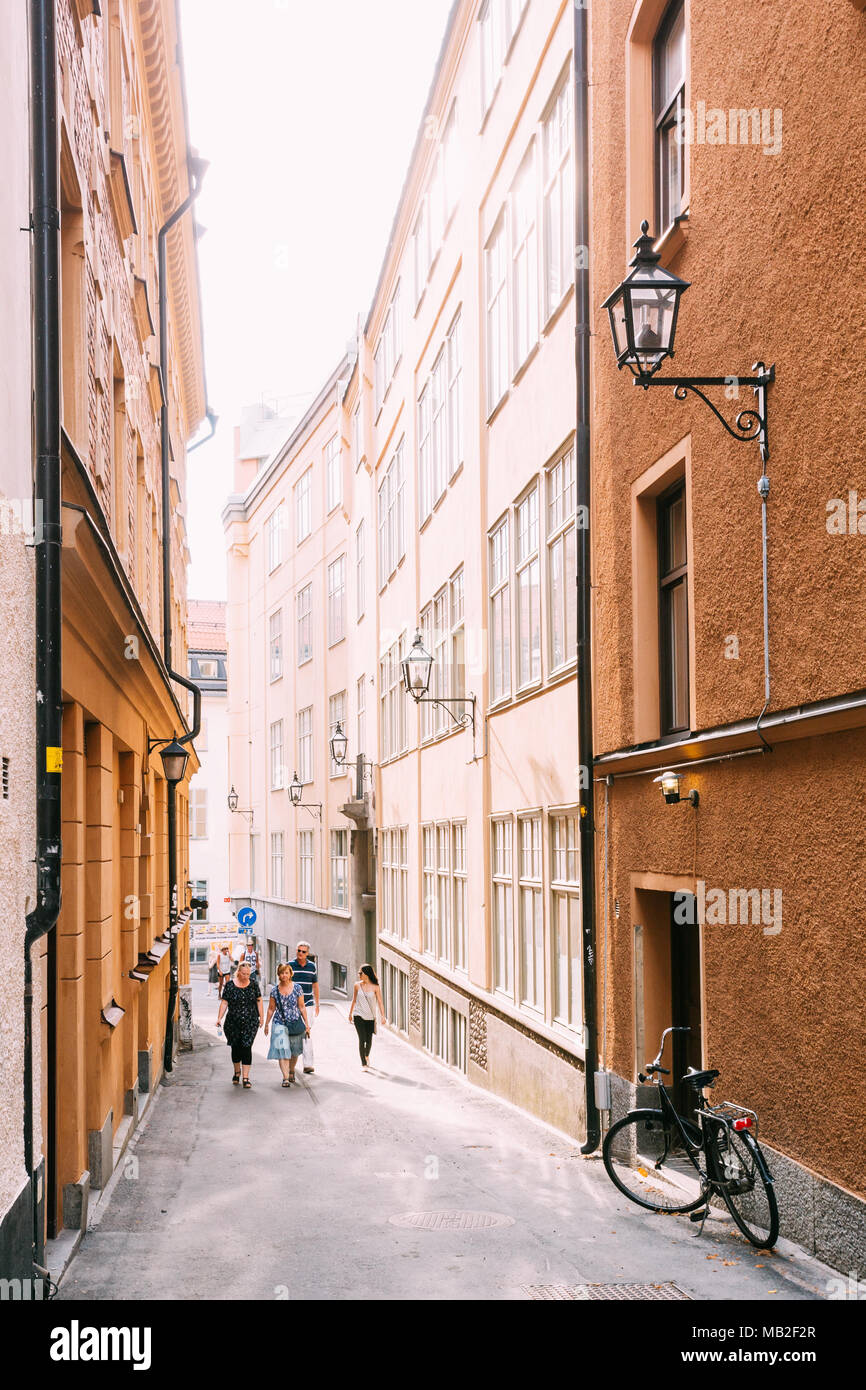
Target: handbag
293 1029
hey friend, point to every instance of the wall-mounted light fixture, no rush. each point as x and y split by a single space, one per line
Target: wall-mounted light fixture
232 801
670 785
339 744
296 793
417 669
174 757
643 312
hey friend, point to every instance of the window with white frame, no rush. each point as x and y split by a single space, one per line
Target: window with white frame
430 936
395 881
503 894
361 570
336 715
524 260
392 702
439 684
452 168
422 255
337 601
275 526
277 755
562 561
306 867
305 624
443 1031
439 424
440 421
500 613
305 745
392 546
357 450
527 575
443 892
395 996
425 451
493 43
558 197
275 644
459 955
304 505
340 869
496 303
277 865
198 813
389 349
361 713
334 472
455 395
565 920
531 914
457 638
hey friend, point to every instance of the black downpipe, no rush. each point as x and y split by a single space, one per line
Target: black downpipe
45 226
197 168
584 564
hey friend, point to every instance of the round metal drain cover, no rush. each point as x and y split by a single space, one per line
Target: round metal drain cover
451 1220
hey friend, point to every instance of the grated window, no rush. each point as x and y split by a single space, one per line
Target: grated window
4 779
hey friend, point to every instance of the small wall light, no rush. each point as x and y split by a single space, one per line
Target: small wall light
670 785
339 744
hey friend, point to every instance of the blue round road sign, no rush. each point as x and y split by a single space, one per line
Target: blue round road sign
246 917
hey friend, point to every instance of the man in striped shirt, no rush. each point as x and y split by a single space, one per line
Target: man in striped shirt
304 973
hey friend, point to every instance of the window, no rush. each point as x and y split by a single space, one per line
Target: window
565 920
336 715
277 954
276 644
337 601
452 171
360 571
277 755
357 452
305 745
528 583
199 890
201 741
562 561
305 625
531 914
673 610
496 299
395 996
391 529
361 713
421 249
389 349
425 452
492 22
503 890
458 866
443 891
457 640
439 424
305 866
428 873
558 198
455 396
524 260
392 702
669 95
198 813
275 526
277 865
443 1031
395 881
340 869
500 614
334 472
304 505
339 978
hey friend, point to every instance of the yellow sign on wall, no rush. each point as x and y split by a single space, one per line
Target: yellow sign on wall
53 759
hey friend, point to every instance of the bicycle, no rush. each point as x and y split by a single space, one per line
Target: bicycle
659 1145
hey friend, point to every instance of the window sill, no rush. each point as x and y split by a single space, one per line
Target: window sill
336 643
556 312
672 241
526 363
530 688
498 406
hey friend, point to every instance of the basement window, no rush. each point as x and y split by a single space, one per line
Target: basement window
4 779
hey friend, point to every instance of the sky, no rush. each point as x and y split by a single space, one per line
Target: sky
308 112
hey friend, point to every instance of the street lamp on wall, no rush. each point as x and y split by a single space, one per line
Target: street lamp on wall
174 757
296 793
670 785
339 744
417 668
232 801
643 313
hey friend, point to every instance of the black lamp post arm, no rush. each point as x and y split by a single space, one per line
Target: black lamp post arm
465 719
750 425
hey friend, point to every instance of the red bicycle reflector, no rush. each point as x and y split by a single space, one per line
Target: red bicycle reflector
745 1123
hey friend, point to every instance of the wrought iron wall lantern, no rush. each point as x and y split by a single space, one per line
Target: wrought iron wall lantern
417 669
670 785
339 744
174 757
236 810
296 793
643 312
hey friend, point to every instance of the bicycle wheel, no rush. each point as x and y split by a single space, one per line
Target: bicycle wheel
645 1157
737 1166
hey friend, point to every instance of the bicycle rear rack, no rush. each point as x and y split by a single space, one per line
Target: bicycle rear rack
726 1112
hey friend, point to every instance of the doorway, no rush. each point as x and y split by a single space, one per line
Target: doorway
668 983
685 947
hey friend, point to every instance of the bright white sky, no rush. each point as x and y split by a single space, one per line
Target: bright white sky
308 111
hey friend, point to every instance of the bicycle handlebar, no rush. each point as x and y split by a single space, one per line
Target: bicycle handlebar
655 1066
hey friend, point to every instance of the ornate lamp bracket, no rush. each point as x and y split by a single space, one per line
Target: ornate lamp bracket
750 425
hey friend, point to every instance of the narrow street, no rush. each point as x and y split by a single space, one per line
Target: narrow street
273 1194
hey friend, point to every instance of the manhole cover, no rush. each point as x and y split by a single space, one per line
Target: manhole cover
579 1293
451 1220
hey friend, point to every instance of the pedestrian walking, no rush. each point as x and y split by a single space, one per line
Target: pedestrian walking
306 974
212 972
287 1018
251 956
241 1003
224 968
366 999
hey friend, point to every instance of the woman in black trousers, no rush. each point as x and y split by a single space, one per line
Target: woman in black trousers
362 1011
241 1003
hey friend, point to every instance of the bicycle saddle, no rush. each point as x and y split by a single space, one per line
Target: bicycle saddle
700 1078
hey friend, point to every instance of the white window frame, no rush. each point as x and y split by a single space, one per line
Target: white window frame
454 348
275 527
360 569
491 22
558 197
276 750
561 514
304 617
392 531
530 893
306 867
275 645
496 313
339 858
361 713
336 715
460 949
566 949
524 260
392 707
304 506
527 563
337 601
198 813
500 609
502 904
430 934
333 473
305 745
277 865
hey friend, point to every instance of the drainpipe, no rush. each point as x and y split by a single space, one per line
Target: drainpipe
45 225
197 168
584 565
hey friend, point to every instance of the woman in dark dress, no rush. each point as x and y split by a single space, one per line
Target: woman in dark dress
241 1003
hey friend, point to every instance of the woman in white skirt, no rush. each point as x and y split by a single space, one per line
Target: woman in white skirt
362 1011
290 1026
